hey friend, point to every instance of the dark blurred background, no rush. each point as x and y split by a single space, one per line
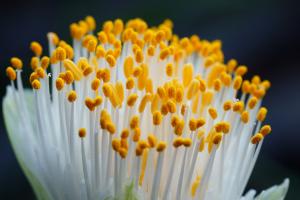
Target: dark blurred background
264 35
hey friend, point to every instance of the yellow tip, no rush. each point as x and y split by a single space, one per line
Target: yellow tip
36 48
245 116
10 72
72 96
213 113
134 122
36 84
161 146
16 62
82 132
217 138
256 138
262 113
45 62
265 130
59 84
157 118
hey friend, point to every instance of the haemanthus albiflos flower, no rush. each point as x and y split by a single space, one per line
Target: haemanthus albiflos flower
136 113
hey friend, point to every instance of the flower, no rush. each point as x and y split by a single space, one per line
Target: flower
136 113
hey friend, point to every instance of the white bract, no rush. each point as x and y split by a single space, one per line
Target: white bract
136 113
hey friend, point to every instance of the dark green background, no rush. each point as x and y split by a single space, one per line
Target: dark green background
264 35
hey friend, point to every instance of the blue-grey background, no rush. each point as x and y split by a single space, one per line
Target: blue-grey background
264 35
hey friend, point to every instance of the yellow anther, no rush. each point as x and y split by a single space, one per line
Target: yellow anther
36 48
89 103
262 113
34 63
187 142
108 26
59 83
111 128
70 65
259 93
187 74
11 74
68 77
214 73
179 95
95 84
87 71
202 85
136 134
134 122
217 138
102 37
265 130
60 54
225 127
246 87
92 44
227 105
142 144
116 144
110 59
219 127
179 128
226 79
178 142
257 138
157 118
169 69
256 80
266 84
45 62
152 140
145 99
36 84
238 106
40 72
202 145
82 132
72 96
183 109
200 122
33 76
120 90
161 92
54 38
252 102
245 116
209 61
107 90
213 113
217 85
193 124
159 36
97 101
137 71
125 133
100 51
184 42
118 26
90 22
171 91
241 70
105 75
16 63
171 106
193 88
129 83
123 152
164 109
139 57
161 146
151 50
175 120
237 82
128 66
164 53
231 65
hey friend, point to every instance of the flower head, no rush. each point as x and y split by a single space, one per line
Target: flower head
134 112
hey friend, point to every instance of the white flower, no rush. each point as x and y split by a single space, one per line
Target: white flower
136 114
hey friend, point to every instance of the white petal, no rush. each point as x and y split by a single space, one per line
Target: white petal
277 192
11 119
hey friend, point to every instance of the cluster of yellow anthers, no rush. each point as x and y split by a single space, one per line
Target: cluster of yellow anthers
147 93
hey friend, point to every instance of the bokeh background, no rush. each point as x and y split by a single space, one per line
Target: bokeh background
264 35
